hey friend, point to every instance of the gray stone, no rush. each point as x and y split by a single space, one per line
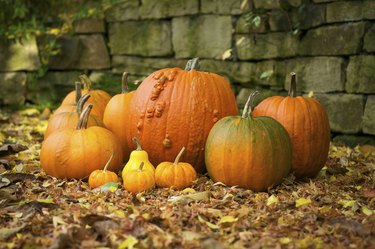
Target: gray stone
124 11
86 26
81 52
13 88
244 24
317 74
294 3
266 46
344 11
267 4
51 88
344 39
369 40
345 111
143 66
361 74
145 38
167 8
233 7
15 56
204 36
369 116
244 93
354 140
279 20
368 10
308 16
108 81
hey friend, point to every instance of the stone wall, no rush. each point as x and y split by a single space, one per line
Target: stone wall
329 44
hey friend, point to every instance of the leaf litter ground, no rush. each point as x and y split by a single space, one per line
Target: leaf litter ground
334 210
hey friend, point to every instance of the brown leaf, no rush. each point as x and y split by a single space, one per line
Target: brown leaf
368 193
10 149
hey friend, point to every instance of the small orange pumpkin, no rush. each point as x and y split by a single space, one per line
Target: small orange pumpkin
75 153
139 180
99 177
178 175
116 115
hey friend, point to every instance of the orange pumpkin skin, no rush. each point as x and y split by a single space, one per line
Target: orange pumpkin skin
72 107
177 175
75 153
99 177
173 108
308 127
116 118
252 153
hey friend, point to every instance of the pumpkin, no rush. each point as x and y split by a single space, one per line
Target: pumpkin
71 107
136 157
99 177
139 180
99 98
173 108
178 175
68 120
116 114
250 152
75 153
307 124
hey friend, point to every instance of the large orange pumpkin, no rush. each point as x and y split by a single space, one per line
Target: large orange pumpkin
307 124
173 108
116 115
75 153
251 152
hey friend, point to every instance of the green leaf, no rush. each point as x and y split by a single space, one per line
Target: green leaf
129 243
302 202
367 211
266 74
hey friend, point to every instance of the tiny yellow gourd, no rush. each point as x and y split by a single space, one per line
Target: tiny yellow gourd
139 180
136 157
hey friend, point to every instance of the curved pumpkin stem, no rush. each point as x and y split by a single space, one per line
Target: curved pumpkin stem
249 105
179 155
109 161
192 64
141 166
293 85
78 91
86 81
81 102
84 117
136 141
124 83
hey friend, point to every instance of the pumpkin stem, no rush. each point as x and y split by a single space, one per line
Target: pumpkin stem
141 166
192 64
78 91
249 105
84 117
85 81
136 141
109 161
179 155
81 102
124 82
293 85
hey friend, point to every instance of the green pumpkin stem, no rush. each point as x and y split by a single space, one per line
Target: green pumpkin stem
124 83
246 113
84 117
81 102
78 91
109 161
179 155
292 85
136 141
141 166
85 81
192 64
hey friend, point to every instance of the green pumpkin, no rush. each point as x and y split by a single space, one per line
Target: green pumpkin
252 153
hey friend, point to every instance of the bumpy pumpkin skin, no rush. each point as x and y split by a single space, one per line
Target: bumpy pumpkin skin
253 153
76 153
307 124
173 108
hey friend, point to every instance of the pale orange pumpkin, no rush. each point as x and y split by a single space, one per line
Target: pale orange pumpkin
99 177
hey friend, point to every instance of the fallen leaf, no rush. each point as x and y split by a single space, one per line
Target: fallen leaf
8 232
367 211
129 243
272 200
228 219
302 202
10 149
200 196
209 224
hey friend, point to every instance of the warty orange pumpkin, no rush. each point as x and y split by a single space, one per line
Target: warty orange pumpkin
307 124
173 108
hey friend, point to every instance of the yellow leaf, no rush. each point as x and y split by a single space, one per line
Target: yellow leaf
209 224
29 112
228 219
272 200
188 191
302 202
227 54
129 243
48 201
325 209
347 203
58 221
120 213
310 94
2 138
285 240
367 211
